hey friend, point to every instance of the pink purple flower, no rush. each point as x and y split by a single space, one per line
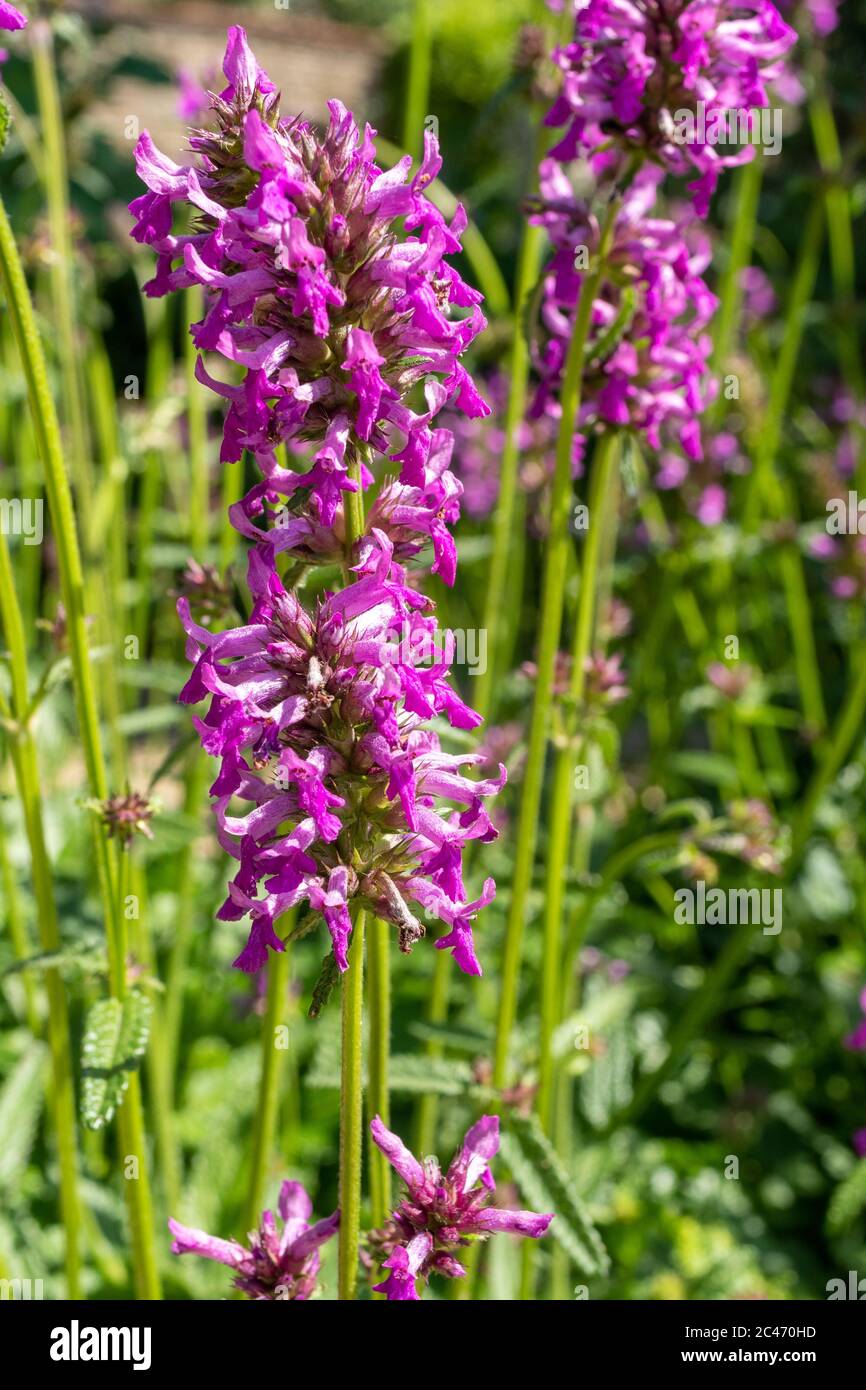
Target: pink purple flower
319 724
337 322
440 1215
275 1264
647 357
634 65
10 18
327 282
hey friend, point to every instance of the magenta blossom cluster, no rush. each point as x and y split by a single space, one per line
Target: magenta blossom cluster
644 86
326 280
320 724
10 18
441 1214
647 355
634 66
274 1265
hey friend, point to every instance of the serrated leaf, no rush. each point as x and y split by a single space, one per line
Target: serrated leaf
462 1040
324 986
848 1201
115 1040
545 1184
21 1101
90 958
5 122
604 1008
606 1085
441 1076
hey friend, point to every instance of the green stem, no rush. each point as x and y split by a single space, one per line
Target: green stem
762 477
840 235
159 1080
54 167
766 485
196 415
378 1050
351 1114
353 508
72 590
418 81
139 1204
26 768
18 934
503 524
552 601
273 1056
837 748
195 783
741 235
562 799
437 1012
158 376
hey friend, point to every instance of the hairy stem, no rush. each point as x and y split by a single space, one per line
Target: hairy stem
351 1114
379 1028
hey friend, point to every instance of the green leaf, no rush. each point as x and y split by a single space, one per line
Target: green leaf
5 122
545 1184
848 1201
461 1040
324 986
115 1040
700 765
440 1076
21 1101
606 1085
82 958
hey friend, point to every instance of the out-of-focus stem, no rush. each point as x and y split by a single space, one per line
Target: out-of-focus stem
273 1055
54 168
741 235
72 590
196 417
18 934
437 1012
26 770
529 261
603 475
766 486
418 80
175 970
550 623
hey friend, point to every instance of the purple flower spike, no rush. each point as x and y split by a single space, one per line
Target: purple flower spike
442 1214
640 79
10 18
274 1266
326 281
331 708
334 319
